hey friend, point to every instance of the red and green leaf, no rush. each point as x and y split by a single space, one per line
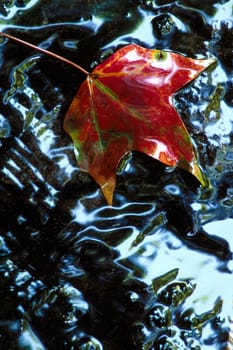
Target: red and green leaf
125 104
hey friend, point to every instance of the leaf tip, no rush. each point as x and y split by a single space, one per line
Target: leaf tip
205 63
200 174
108 189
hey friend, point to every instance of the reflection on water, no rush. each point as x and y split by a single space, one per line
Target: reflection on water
154 271
10 9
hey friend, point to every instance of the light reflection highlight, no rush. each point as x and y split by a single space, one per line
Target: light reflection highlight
81 215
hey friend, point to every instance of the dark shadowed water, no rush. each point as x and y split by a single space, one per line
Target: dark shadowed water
155 270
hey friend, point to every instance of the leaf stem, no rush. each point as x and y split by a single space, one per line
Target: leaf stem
34 47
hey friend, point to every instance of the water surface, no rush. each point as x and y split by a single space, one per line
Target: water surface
155 270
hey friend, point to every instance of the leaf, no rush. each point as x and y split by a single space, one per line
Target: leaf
126 105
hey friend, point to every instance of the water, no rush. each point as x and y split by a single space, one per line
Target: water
155 270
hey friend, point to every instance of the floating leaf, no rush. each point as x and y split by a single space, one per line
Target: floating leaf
125 105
